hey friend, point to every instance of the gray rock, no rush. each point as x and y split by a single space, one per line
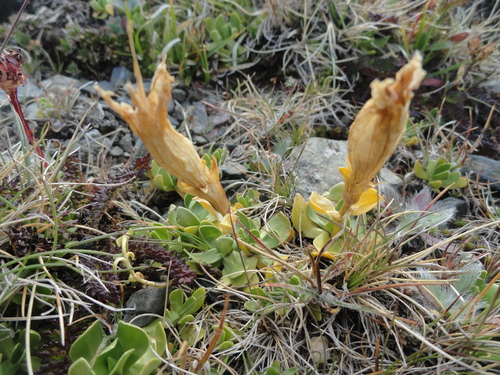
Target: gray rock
171 106
459 205
386 176
145 301
233 170
178 112
492 86
126 143
105 85
119 76
116 151
483 169
174 121
32 111
179 94
317 167
197 118
219 118
60 83
199 140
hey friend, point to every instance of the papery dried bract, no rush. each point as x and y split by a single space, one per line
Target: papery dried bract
148 118
377 129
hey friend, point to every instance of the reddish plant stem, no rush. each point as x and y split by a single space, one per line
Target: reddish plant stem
12 94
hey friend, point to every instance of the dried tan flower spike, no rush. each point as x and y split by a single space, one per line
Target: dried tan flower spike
148 118
377 129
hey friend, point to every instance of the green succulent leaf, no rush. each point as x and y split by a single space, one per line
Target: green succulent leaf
157 334
186 218
176 300
185 319
441 168
461 183
81 367
420 171
435 184
280 224
132 338
210 234
226 245
238 263
210 256
441 176
431 166
120 366
89 343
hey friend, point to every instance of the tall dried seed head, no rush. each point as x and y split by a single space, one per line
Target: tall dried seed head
377 129
148 118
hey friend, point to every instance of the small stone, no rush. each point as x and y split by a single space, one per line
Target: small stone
484 169
179 95
116 151
32 111
386 176
231 170
119 76
173 121
456 204
199 140
29 91
105 85
126 143
171 106
145 301
317 168
197 118
319 346
107 143
178 113
59 83
94 134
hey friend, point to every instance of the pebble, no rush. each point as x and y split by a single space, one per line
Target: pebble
126 143
197 118
179 95
458 205
233 170
145 301
486 170
120 76
59 83
116 151
318 166
199 140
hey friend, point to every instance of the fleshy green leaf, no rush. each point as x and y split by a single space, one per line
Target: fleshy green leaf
81 367
186 218
419 171
87 345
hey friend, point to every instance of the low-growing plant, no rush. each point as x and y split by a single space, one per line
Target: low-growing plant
226 36
131 350
180 312
14 348
440 174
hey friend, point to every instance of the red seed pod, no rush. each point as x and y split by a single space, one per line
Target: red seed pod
459 37
11 72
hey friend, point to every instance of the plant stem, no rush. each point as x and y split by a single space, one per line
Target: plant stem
12 94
